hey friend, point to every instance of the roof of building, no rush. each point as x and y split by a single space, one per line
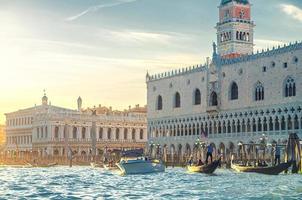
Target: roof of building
224 2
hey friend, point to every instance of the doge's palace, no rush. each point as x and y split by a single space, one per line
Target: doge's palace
238 96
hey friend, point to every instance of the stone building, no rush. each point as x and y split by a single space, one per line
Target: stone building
47 130
2 135
236 97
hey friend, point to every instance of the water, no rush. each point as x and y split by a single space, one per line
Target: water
88 183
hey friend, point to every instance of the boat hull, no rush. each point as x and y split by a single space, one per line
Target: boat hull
140 167
207 169
262 170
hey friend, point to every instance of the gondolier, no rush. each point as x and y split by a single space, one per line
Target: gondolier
277 151
209 153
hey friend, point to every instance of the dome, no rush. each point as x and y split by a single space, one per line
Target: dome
44 99
224 2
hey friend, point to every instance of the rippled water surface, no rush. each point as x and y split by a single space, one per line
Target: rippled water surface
88 183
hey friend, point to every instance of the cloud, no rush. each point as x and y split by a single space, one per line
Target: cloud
93 9
293 11
264 43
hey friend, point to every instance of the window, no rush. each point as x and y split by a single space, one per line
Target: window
177 100
197 97
273 64
290 87
56 132
213 99
117 134
296 60
74 133
259 92
159 103
133 134
141 134
101 133
109 134
125 134
285 65
83 133
264 69
234 91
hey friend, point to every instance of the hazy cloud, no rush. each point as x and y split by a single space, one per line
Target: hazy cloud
93 9
293 11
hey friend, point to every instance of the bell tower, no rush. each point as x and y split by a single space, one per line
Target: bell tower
235 29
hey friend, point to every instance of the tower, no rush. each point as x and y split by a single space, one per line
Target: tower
44 99
235 28
79 101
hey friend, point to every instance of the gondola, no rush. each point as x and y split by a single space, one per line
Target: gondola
206 169
273 170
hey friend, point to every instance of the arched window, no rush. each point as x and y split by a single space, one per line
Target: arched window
125 134
159 103
177 100
101 133
290 87
259 92
117 134
133 134
141 134
56 132
109 134
74 133
83 133
234 91
197 97
213 99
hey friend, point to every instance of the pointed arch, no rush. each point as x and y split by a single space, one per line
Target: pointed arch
213 99
177 100
197 97
233 91
259 92
289 87
159 102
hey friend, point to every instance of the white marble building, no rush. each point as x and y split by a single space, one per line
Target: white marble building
237 97
49 130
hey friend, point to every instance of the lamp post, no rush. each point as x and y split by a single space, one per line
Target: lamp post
202 145
263 144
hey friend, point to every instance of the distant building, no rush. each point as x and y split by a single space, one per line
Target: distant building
236 97
49 130
2 135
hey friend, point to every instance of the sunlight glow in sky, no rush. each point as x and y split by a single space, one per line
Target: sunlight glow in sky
101 49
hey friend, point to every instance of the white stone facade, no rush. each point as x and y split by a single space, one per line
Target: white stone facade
49 130
256 94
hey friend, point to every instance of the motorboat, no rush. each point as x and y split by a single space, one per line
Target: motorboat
140 165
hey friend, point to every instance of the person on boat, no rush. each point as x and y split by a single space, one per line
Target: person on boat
209 153
200 163
190 160
277 152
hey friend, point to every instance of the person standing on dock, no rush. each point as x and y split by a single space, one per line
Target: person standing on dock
209 153
277 151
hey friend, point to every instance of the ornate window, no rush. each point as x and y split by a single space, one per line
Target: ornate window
290 87
213 99
133 134
109 134
177 100
101 133
197 97
259 92
117 134
234 91
83 133
125 134
159 103
74 133
56 132
141 134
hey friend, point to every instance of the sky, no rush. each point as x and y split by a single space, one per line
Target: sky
101 49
